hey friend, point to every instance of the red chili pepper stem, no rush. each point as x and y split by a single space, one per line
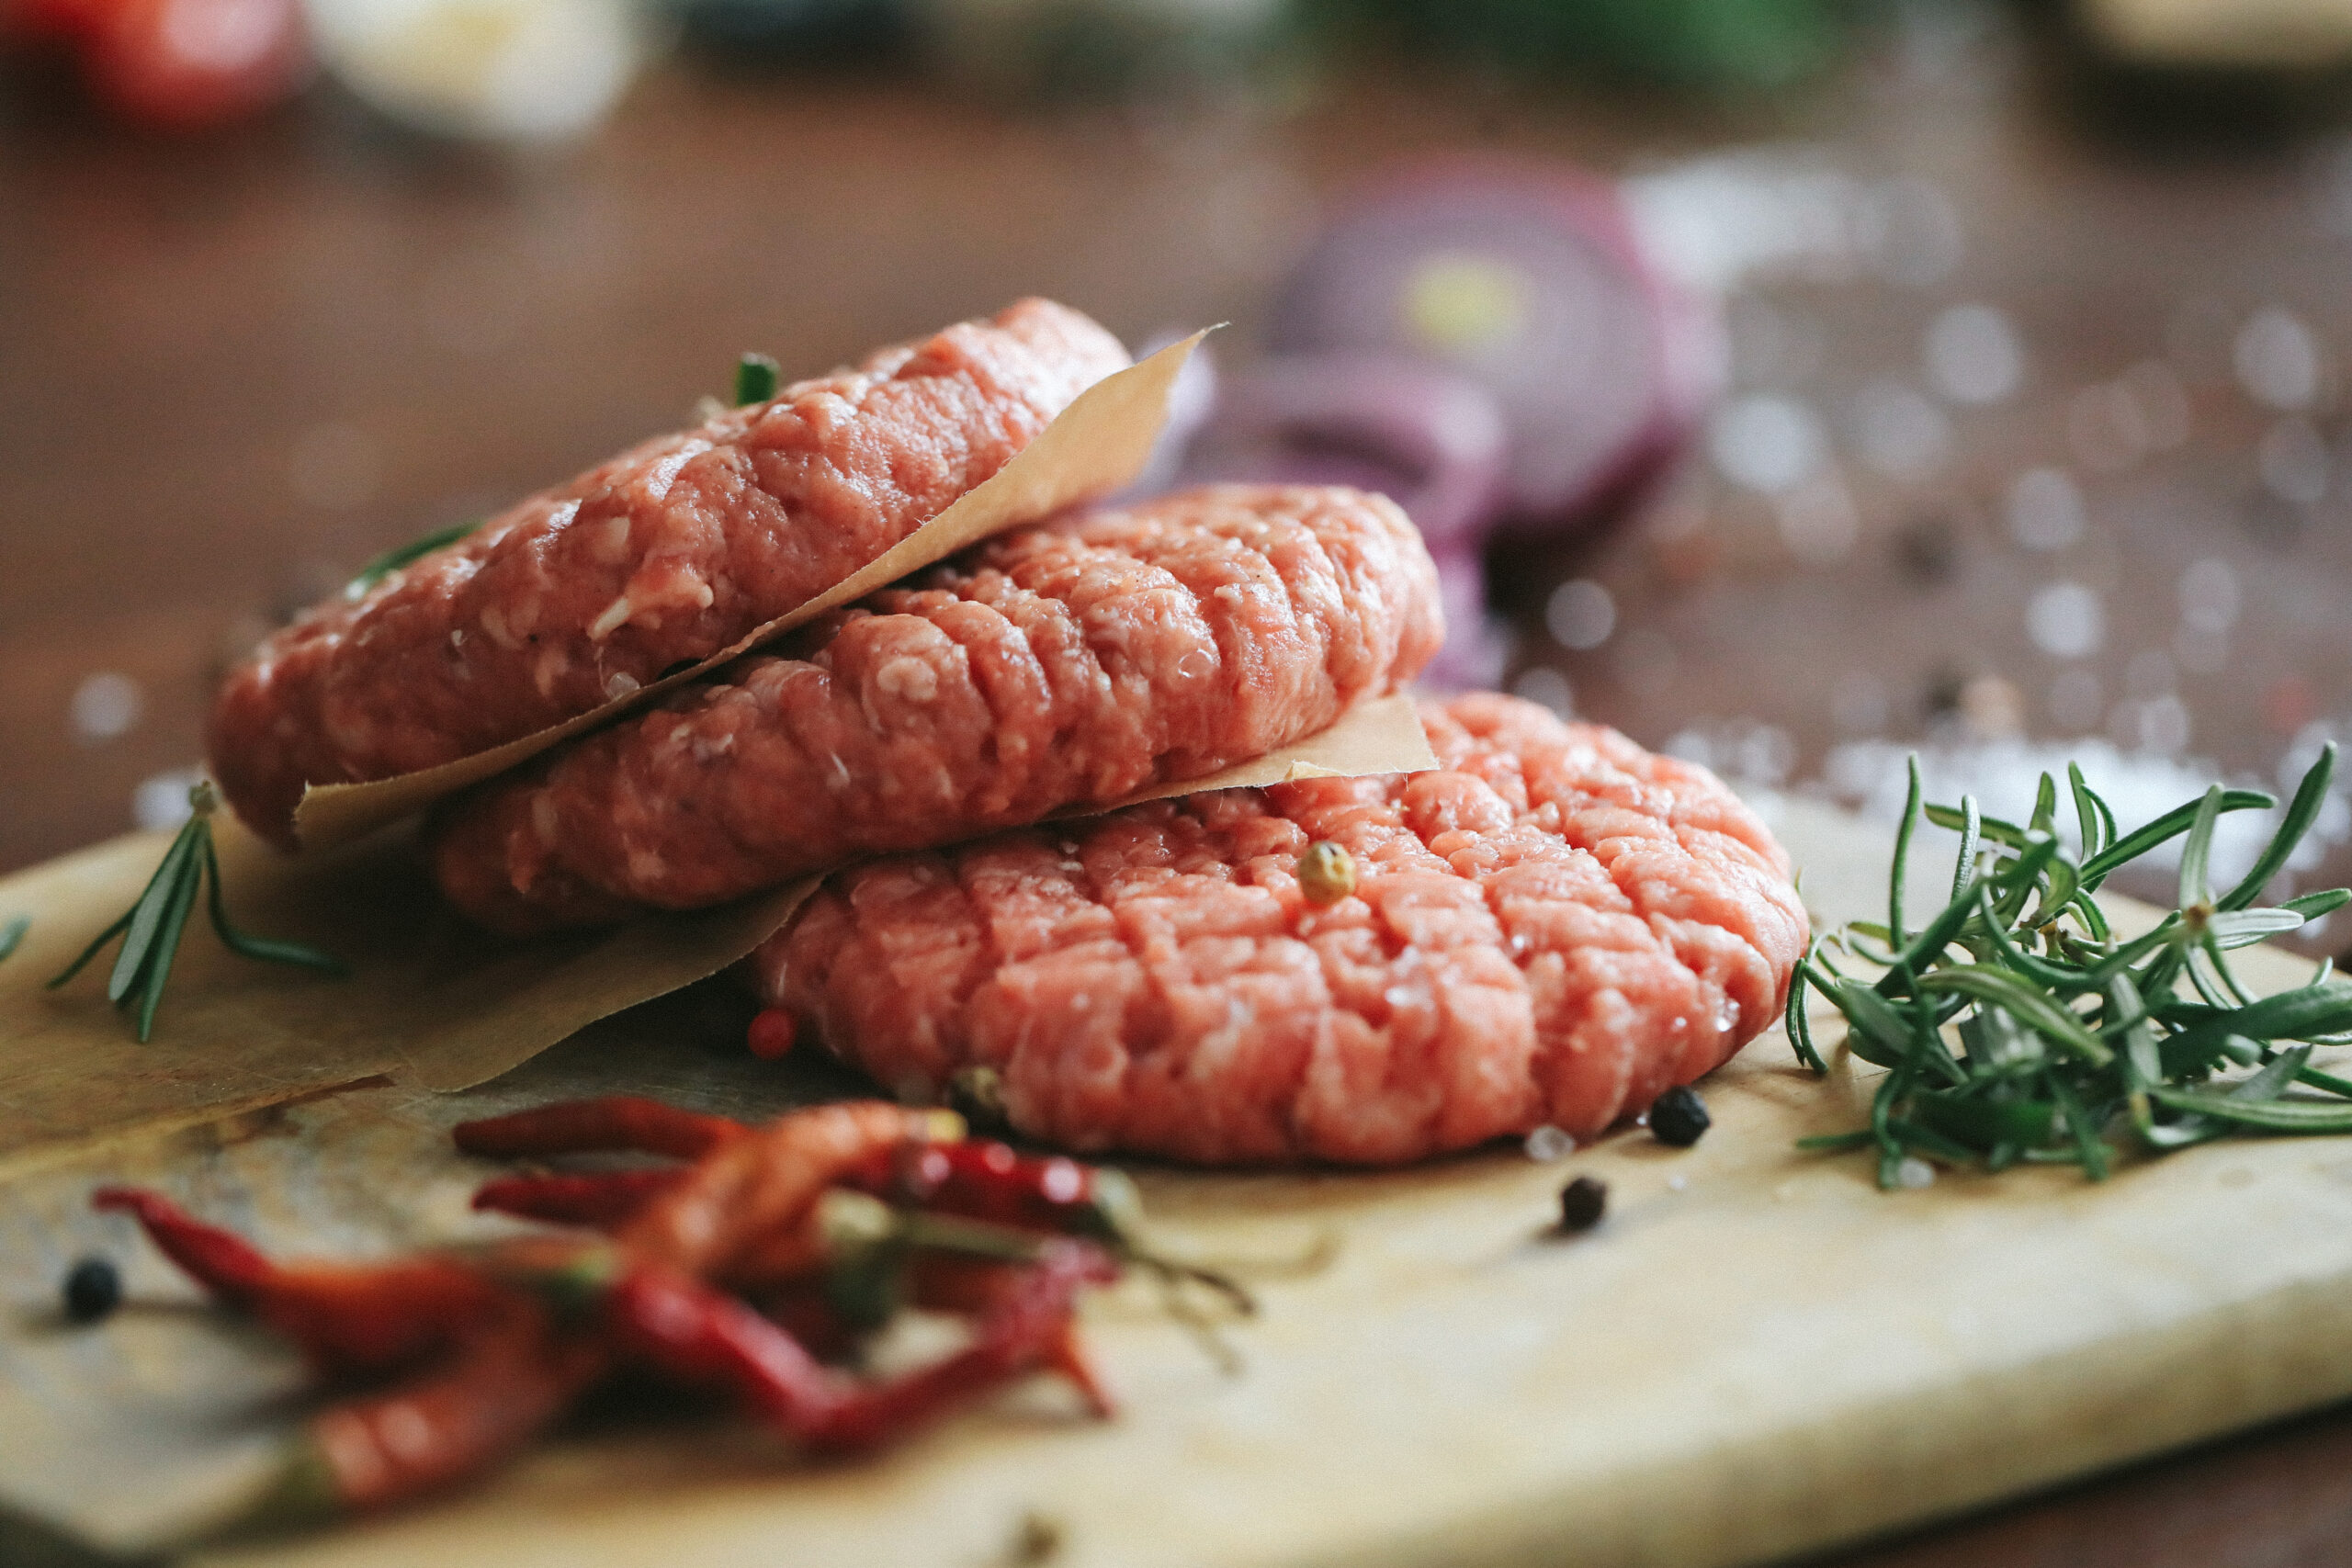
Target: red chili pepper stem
301 1493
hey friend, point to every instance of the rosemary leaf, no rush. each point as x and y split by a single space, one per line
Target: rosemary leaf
2196 890
158 969
2305 1116
2030 1007
2301 812
1972 838
2065 1033
2087 822
399 556
12 933
147 915
2165 829
2312 906
151 930
757 377
1901 861
266 949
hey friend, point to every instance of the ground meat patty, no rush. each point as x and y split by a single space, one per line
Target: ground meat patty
667 553
1551 927
1057 667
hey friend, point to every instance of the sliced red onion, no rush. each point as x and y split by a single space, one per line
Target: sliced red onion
1192 398
1528 279
1478 642
1431 440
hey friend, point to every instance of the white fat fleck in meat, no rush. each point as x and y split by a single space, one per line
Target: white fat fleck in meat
618 684
665 473
705 749
614 547
614 617
549 668
838 779
494 622
645 864
1231 592
1109 626
544 821
907 679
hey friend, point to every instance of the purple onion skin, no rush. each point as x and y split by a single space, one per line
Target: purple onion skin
1478 644
1530 279
1192 398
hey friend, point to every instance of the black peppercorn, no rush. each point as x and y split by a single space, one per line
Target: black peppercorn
1582 1202
92 1290
1679 1116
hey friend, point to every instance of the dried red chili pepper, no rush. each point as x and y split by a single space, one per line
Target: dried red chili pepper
601 1199
506 1335
584 1126
694 1332
345 1318
747 1212
992 1181
508 1378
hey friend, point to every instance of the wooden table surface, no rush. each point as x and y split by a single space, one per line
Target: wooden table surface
232 367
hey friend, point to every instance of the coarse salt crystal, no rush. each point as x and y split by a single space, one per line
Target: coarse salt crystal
1548 1143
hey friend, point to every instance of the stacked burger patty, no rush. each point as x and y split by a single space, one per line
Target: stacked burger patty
1552 927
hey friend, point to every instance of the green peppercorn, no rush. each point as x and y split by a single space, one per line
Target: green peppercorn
1327 873
1582 1202
1679 1116
92 1290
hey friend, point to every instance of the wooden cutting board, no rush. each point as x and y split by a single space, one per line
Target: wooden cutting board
1758 1353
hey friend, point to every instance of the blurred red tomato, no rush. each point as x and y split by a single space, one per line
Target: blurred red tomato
177 63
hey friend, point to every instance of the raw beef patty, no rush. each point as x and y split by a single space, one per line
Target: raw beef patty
665 554
1056 668
1553 926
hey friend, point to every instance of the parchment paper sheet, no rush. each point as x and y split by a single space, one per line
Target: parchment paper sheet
431 1002
1094 446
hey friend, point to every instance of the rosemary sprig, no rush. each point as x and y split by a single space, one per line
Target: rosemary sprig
12 934
399 556
2063 1032
757 377
151 930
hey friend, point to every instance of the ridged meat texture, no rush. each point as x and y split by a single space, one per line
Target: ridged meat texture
667 553
1552 927
1058 666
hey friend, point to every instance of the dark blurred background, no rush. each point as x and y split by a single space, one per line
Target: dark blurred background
1800 382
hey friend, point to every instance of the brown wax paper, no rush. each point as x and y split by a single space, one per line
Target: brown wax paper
431 1002
1094 446
1383 734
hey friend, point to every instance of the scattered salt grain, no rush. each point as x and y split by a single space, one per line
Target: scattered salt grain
1548 1143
